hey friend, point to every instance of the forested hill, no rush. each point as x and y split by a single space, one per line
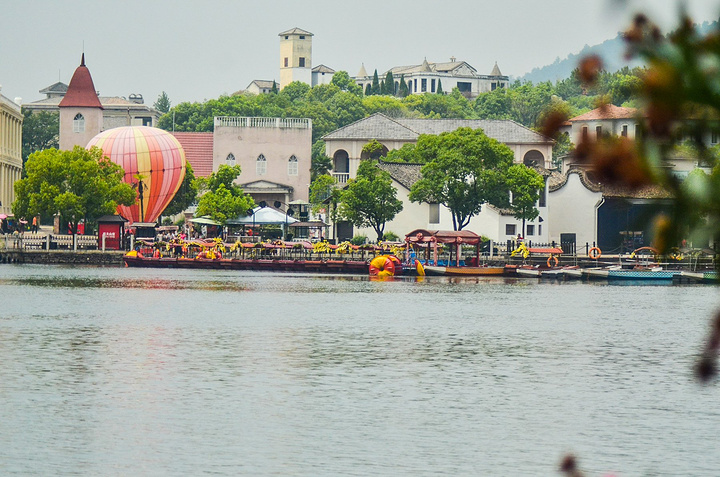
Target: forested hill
611 51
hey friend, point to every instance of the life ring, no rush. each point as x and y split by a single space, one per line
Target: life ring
594 253
382 266
552 259
419 268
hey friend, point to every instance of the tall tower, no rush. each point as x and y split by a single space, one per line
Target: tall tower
295 56
81 114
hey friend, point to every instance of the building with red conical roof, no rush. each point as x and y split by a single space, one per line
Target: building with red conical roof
81 116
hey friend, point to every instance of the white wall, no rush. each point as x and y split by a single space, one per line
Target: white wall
573 209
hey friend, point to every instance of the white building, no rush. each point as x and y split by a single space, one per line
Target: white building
11 164
428 77
345 145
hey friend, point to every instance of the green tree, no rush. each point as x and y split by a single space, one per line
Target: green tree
77 185
368 90
370 200
524 184
373 149
320 163
222 198
186 194
295 90
494 104
403 89
342 80
390 84
274 89
387 105
163 103
375 88
324 194
463 170
39 131
439 87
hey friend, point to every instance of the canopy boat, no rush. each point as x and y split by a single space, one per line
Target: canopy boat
427 241
464 271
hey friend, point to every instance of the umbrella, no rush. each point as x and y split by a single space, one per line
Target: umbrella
263 216
3 216
203 221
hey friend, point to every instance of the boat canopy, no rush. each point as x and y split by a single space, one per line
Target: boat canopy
465 237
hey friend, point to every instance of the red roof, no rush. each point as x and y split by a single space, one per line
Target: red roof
198 148
608 111
81 91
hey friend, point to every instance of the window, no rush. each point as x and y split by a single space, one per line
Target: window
292 166
509 229
230 159
261 165
584 133
624 130
539 229
302 37
637 131
434 213
529 229
79 123
286 37
432 85
493 86
286 62
423 85
542 199
464 87
415 85
598 132
301 61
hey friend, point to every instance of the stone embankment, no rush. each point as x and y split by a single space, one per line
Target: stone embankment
63 257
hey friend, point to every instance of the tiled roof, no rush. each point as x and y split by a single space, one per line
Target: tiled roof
377 126
295 31
557 181
58 87
81 91
198 151
495 71
608 111
425 66
380 127
323 69
405 174
362 73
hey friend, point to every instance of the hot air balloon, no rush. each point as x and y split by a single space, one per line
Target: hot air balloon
154 163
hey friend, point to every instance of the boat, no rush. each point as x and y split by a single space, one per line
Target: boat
464 271
703 276
617 272
528 272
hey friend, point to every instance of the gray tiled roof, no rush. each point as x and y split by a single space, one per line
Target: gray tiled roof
323 69
378 126
405 174
295 31
58 87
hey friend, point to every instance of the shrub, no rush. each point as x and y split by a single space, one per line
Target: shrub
359 239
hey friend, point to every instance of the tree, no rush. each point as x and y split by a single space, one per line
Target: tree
320 164
524 184
403 90
373 149
77 185
163 103
463 170
390 84
222 199
370 200
375 88
186 194
342 80
368 90
39 131
439 87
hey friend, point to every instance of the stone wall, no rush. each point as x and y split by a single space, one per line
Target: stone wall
63 257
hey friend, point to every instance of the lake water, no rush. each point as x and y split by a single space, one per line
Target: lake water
117 371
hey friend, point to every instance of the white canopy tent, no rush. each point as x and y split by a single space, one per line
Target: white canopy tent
264 216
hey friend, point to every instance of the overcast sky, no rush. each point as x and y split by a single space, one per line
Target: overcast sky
197 50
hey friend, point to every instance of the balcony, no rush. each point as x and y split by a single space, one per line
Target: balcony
280 123
341 177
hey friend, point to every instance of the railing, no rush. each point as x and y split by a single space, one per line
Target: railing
341 177
248 122
50 241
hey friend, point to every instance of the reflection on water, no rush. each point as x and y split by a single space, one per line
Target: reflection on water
173 372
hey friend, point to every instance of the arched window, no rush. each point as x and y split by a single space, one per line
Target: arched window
261 165
230 159
79 123
292 166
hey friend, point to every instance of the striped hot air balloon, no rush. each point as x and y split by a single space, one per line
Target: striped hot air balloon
154 163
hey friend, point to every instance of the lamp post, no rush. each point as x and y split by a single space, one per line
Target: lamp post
288 211
140 185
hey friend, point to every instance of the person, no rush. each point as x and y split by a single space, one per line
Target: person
35 224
